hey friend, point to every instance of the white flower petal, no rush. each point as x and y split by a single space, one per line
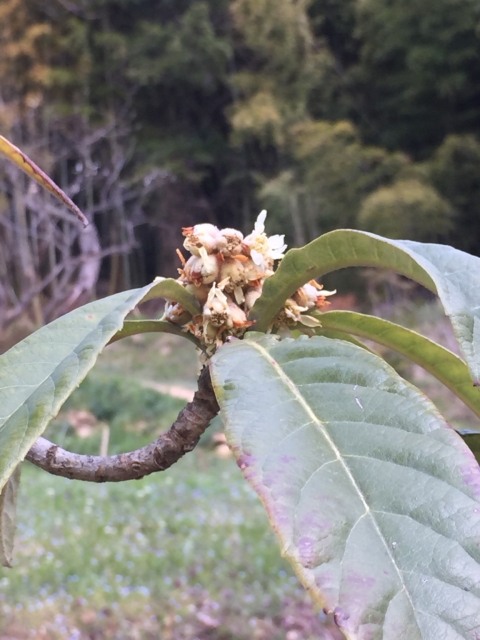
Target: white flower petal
260 223
221 285
239 295
252 296
311 291
215 292
221 296
309 321
257 257
211 296
277 242
276 246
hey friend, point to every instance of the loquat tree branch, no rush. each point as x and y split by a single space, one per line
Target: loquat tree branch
169 447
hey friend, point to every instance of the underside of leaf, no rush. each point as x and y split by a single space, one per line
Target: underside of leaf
375 499
445 365
8 508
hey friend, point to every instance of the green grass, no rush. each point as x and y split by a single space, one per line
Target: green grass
161 550
135 414
163 358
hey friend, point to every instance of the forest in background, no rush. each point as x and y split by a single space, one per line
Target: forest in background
158 114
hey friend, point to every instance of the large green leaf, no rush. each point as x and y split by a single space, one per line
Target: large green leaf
447 367
452 274
8 508
38 374
170 289
375 499
328 333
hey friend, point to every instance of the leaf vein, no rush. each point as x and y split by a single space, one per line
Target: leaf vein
307 409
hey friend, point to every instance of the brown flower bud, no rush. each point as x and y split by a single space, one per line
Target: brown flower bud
206 236
233 240
202 269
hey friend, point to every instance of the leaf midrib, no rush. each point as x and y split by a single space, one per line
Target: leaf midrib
306 407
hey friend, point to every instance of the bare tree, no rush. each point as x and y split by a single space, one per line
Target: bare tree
48 262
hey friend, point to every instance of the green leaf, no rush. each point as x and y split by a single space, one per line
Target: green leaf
38 374
447 367
453 275
329 333
375 499
8 508
170 289
134 327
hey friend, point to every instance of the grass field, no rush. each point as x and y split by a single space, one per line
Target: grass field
184 554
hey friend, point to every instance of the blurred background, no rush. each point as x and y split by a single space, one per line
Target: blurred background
157 114
154 114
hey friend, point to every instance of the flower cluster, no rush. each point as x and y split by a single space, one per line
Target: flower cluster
226 272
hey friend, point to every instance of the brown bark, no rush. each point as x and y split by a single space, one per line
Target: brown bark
169 447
